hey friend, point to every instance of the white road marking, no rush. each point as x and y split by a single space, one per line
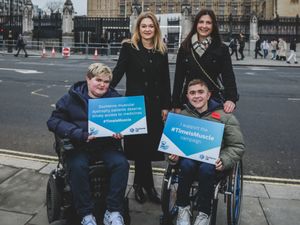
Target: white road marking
52 105
293 99
250 73
24 71
38 90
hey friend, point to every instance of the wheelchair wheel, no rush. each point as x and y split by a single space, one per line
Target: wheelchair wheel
234 200
169 196
53 199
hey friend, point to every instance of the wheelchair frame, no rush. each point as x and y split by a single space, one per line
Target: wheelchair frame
231 186
59 197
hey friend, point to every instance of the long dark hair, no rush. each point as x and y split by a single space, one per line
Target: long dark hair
215 35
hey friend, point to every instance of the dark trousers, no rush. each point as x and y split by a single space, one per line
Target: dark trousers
78 169
143 173
234 50
257 52
204 173
19 49
241 51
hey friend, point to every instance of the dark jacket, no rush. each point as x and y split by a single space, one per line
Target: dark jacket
293 45
147 74
215 61
233 146
70 119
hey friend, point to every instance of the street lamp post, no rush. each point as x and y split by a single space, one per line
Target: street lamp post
10 34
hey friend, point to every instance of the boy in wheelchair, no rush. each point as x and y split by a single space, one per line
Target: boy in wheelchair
70 120
200 105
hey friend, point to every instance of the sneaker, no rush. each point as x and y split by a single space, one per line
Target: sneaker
113 218
288 62
89 220
184 216
202 219
296 62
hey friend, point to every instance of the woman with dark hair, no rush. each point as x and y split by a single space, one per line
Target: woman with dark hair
144 60
202 55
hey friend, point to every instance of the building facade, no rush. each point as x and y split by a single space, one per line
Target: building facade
264 9
15 6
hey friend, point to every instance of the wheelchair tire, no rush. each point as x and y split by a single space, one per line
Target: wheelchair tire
53 199
168 198
234 201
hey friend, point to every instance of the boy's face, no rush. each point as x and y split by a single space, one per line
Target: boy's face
97 86
198 95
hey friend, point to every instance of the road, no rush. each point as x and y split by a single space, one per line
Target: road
268 109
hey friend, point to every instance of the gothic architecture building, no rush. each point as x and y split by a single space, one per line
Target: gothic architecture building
266 9
15 6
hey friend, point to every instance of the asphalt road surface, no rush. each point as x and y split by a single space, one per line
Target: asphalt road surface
268 109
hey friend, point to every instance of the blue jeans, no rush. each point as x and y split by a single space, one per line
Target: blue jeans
78 162
204 173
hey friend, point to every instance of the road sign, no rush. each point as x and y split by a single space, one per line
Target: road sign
65 52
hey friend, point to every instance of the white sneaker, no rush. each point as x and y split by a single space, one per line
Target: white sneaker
113 218
184 216
201 219
89 220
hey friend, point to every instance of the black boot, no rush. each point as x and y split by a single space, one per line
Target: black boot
153 195
139 194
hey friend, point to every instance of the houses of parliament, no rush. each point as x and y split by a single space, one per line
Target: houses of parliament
265 9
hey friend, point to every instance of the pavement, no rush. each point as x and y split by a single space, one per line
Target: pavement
24 176
248 60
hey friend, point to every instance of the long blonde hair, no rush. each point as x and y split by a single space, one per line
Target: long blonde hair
159 45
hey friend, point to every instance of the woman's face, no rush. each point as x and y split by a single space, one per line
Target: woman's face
147 29
204 27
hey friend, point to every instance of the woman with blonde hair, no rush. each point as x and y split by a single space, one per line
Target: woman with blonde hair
144 60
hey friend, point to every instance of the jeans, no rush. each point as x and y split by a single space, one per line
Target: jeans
78 162
204 173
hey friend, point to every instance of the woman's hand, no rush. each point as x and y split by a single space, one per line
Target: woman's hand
176 110
219 165
90 138
229 106
173 158
164 114
118 136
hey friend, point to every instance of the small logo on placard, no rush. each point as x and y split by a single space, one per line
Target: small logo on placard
201 156
93 131
164 145
131 130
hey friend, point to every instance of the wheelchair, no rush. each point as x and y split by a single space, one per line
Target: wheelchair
59 197
229 184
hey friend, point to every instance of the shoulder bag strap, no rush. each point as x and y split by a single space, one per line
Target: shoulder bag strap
205 73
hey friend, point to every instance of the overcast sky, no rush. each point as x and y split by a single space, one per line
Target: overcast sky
79 5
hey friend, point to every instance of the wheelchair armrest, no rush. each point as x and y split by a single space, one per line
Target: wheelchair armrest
62 145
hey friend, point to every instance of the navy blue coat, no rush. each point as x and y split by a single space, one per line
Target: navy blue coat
70 119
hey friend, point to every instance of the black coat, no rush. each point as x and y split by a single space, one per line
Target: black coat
70 119
215 61
147 74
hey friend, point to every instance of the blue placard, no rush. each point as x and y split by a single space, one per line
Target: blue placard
192 138
124 115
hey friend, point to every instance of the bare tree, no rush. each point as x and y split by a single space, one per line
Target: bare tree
54 5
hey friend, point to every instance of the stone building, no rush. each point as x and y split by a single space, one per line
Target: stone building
264 9
16 7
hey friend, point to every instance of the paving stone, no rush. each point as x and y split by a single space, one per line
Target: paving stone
283 191
24 192
251 212
6 172
40 218
13 218
21 163
255 190
281 211
47 169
